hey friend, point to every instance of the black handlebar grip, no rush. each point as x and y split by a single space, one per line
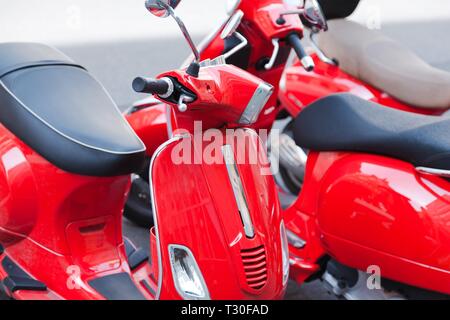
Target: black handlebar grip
151 86
296 43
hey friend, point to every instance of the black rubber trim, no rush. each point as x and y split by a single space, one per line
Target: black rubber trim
18 279
129 248
117 286
137 258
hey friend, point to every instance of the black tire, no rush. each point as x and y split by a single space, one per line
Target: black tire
138 207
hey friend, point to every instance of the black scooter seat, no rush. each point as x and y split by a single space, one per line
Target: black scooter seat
344 122
58 109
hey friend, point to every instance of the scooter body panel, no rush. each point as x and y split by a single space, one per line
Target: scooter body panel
375 211
299 88
195 207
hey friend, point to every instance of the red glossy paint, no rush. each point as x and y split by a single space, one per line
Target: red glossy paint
223 93
149 121
51 221
259 27
368 210
65 230
202 213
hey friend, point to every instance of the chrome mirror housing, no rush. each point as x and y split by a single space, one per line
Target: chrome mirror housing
159 7
165 8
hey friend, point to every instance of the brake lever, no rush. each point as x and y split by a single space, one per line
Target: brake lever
182 106
276 49
322 56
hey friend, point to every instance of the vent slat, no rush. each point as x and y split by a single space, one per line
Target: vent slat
257 279
255 267
254 260
258 272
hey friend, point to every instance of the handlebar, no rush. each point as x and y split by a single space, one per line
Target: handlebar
162 87
306 61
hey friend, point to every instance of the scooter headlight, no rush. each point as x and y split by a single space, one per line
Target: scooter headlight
187 277
285 252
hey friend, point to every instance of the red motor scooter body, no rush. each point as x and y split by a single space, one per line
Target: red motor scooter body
64 177
195 208
216 203
56 235
366 210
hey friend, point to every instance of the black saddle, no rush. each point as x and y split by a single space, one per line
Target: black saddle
344 122
58 109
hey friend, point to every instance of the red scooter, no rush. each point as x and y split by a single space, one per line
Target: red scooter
352 58
218 232
380 204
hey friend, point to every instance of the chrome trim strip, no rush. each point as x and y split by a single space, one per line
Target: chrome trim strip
295 240
170 90
196 267
257 102
437 172
155 216
169 121
238 190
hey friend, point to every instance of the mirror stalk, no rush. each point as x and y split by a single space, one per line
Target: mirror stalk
194 68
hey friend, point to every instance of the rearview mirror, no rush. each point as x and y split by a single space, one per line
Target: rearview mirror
159 8
232 25
314 15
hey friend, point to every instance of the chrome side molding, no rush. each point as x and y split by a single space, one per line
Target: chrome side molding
436 172
238 190
257 102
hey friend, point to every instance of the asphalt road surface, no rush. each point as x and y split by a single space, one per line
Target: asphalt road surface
118 41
